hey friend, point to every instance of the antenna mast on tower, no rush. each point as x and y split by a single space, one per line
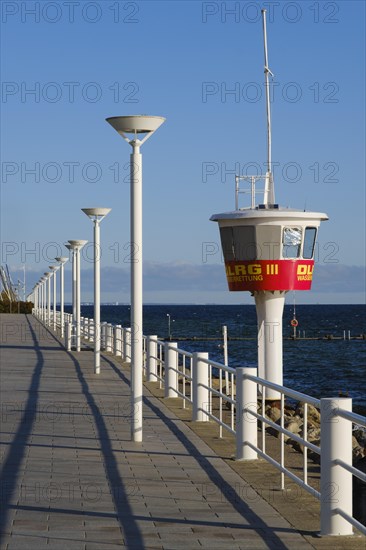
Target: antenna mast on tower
269 196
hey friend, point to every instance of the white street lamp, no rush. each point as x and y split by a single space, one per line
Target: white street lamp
48 298
73 286
54 269
35 298
76 246
62 260
32 297
136 125
42 302
96 215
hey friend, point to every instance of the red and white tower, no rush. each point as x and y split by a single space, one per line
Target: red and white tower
268 250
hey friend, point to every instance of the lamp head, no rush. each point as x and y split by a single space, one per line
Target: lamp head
97 213
77 244
135 125
62 259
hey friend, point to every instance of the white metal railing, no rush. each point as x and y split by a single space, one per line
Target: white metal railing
199 382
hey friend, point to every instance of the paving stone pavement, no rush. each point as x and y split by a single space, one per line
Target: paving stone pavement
72 479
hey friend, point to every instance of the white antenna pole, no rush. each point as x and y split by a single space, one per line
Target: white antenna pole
269 186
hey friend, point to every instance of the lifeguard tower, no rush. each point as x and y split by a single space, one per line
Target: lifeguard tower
268 250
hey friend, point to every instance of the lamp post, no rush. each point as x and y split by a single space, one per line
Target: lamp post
48 298
54 269
76 246
41 300
137 126
62 260
36 298
73 285
96 215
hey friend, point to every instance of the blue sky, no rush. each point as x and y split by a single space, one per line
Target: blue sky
66 66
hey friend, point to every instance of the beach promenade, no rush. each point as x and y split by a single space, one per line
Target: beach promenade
72 479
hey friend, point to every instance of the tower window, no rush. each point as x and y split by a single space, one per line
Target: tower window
309 243
291 241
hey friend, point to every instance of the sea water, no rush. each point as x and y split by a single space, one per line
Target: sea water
321 366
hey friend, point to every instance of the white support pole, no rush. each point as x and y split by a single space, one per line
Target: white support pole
40 290
103 335
136 292
91 329
96 297
74 285
78 299
118 340
127 343
335 481
35 298
259 303
24 285
43 302
45 286
136 124
68 327
54 299
152 353
270 310
123 343
200 394
109 337
171 367
49 301
246 423
269 187
226 359
62 298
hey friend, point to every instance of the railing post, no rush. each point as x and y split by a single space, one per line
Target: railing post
127 345
122 342
200 395
151 355
246 423
91 330
335 481
118 340
103 336
170 375
73 335
68 327
109 335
